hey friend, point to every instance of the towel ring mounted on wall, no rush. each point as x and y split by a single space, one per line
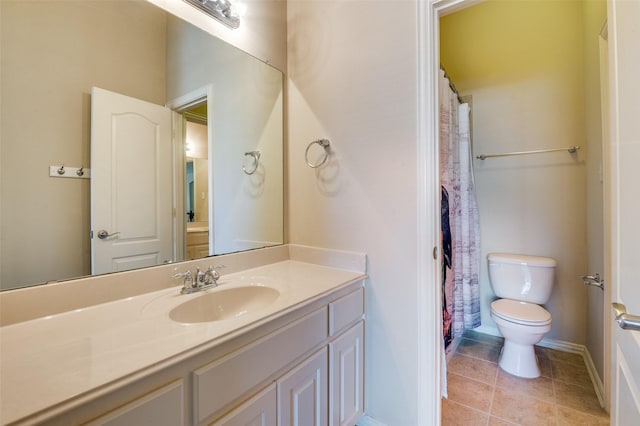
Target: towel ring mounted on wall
324 143
256 161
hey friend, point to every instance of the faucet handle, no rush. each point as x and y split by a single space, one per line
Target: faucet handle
188 280
186 275
213 273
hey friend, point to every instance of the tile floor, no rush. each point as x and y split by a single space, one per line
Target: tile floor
480 393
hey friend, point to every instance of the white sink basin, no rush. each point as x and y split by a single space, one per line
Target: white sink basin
223 304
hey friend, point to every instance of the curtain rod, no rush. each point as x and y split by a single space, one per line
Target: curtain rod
571 150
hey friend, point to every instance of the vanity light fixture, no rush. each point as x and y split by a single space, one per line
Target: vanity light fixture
222 10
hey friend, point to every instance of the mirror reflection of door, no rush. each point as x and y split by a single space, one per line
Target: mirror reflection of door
197 182
131 223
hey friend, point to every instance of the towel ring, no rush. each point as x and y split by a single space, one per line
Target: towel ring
256 160
323 143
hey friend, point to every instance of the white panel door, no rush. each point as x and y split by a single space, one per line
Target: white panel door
131 183
303 393
624 58
346 380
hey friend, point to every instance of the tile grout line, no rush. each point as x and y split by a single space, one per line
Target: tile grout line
552 359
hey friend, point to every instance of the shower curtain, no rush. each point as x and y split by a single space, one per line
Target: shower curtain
460 224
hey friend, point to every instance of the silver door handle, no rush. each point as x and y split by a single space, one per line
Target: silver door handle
625 320
102 234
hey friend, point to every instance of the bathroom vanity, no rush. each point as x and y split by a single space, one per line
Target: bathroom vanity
284 345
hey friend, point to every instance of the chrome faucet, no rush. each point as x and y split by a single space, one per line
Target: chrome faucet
188 280
201 280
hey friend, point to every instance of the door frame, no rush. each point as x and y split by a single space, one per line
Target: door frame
605 111
430 347
178 105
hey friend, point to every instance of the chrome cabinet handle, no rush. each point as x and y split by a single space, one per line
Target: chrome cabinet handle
625 321
102 234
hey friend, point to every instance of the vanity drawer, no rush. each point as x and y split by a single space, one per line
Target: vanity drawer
218 384
346 311
195 238
162 406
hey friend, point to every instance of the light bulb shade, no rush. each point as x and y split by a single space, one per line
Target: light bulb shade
222 10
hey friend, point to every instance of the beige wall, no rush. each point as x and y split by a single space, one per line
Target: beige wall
526 65
247 108
352 79
52 54
262 31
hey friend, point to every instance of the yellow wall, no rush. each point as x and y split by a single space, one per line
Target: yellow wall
501 41
524 63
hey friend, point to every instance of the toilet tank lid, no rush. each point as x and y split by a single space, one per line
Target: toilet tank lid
522 259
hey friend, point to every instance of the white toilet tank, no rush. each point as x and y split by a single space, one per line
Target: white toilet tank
521 277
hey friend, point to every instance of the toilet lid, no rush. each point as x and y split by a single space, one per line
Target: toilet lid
521 312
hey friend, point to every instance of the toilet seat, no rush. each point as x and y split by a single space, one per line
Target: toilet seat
518 312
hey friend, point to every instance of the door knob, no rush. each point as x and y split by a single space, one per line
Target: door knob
625 320
102 234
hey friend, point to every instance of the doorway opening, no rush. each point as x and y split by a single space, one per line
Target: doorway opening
540 91
197 196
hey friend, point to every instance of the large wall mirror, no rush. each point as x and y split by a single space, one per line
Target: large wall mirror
224 174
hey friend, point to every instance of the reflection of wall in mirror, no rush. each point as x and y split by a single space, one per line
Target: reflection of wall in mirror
247 111
48 75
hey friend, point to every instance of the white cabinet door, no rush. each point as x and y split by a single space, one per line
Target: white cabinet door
346 364
302 393
258 411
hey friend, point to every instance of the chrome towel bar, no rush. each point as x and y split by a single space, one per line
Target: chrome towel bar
571 150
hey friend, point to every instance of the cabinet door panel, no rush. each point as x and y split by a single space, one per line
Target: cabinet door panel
302 393
258 411
220 383
347 372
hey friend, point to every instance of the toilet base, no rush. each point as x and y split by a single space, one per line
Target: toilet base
519 360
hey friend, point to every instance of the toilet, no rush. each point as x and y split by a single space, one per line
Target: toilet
522 284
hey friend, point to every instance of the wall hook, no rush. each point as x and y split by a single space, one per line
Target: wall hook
69 172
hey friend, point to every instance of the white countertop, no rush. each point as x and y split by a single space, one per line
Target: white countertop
50 360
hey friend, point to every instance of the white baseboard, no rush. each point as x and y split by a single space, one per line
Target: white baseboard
368 421
595 378
561 345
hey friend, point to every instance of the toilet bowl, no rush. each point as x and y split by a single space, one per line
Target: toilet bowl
522 325
522 282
